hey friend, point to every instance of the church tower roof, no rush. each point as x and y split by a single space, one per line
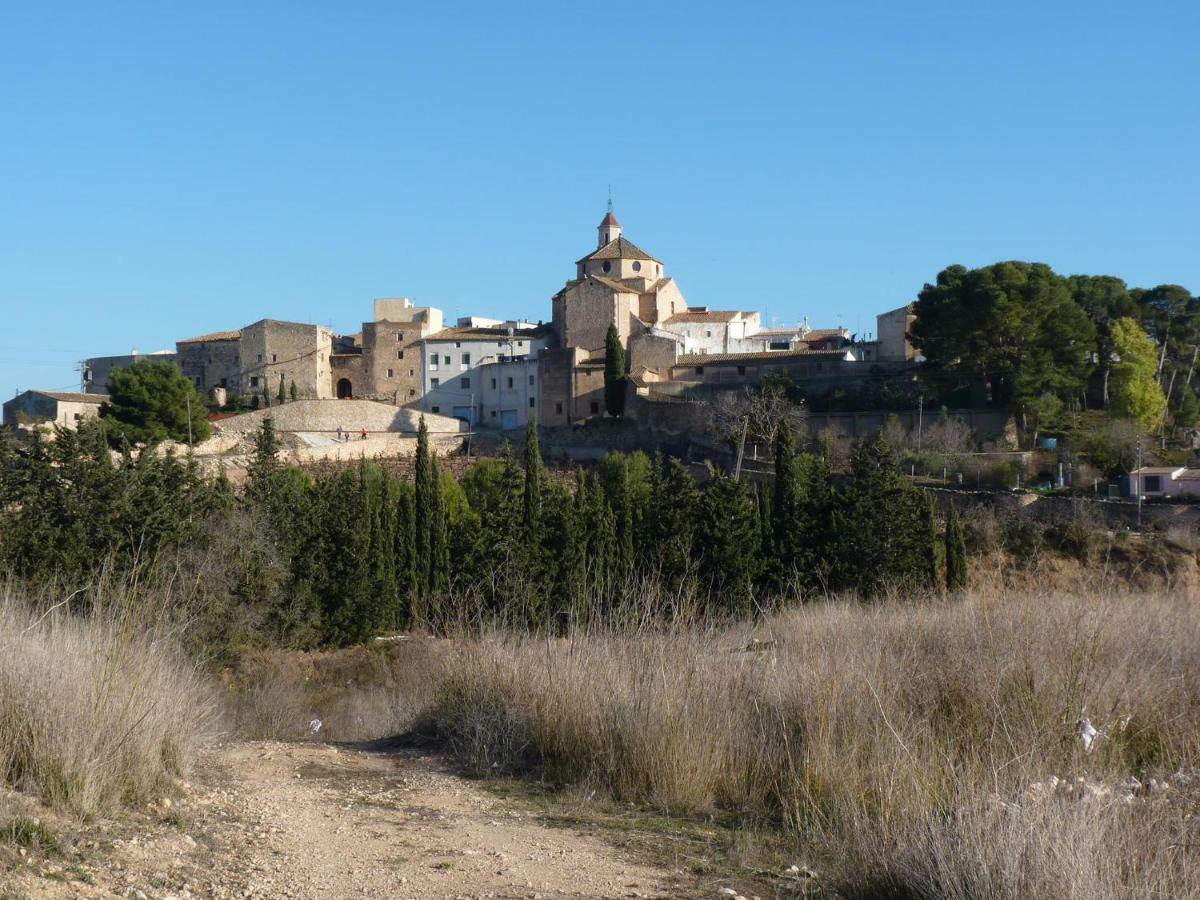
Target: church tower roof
609 221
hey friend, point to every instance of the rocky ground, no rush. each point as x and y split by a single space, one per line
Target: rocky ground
302 820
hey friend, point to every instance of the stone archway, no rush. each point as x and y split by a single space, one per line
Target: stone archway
345 390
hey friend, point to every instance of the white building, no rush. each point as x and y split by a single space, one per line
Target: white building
483 375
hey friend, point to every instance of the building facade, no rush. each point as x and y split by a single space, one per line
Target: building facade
63 408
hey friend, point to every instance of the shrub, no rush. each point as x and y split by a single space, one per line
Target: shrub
95 709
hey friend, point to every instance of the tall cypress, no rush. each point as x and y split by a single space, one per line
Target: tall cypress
424 510
956 552
281 394
928 551
785 512
439 534
532 492
614 373
405 553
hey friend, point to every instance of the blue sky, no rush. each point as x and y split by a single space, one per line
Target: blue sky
172 170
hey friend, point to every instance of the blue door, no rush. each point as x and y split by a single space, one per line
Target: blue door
508 418
466 413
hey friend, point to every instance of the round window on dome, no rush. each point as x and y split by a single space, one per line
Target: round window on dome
637 267
607 266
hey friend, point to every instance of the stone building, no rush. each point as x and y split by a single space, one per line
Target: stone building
212 361
64 408
272 351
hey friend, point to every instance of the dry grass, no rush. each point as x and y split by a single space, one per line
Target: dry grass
358 694
97 708
907 749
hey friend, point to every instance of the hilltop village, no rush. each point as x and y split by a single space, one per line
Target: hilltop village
493 373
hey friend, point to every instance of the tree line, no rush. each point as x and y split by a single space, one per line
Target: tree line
1035 340
362 550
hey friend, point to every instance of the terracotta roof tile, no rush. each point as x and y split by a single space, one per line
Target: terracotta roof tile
699 359
213 336
620 249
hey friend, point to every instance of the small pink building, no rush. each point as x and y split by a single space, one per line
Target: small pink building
1164 481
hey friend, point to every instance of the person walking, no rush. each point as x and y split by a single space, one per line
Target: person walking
364 434
339 434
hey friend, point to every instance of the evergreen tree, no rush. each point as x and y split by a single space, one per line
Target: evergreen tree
956 553
929 541
439 535
405 553
727 535
786 524
532 492
292 392
614 373
281 395
424 513
266 396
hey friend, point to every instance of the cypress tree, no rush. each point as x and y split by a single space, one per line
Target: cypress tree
281 395
532 492
956 552
405 553
727 538
614 373
928 549
439 535
424 511
292 392
786 526
266 396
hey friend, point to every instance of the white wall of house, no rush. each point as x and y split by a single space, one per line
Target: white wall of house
458 372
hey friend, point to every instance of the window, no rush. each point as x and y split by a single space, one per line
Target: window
410 373
699 370
456 344
520 343
436 409
741 370
224 382
260 357
779 345
399 336
510 383
607 266
558 408
1152 483
399 354
446 359
466 359
412 392
464 382
637 266
493 414
434 382
531 401
253 381
390 375
433 364
595 407
531 381
274 358
708 333
493 384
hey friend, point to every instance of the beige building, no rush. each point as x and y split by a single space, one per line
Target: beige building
64 408
294 352
892 329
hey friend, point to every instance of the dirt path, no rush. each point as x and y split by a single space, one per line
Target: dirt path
310 820
329 822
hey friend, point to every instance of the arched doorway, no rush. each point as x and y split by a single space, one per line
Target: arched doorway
344 389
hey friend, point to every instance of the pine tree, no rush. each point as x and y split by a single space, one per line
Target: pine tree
614 373
956 553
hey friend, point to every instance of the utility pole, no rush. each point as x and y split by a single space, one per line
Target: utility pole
1138 470
920 418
